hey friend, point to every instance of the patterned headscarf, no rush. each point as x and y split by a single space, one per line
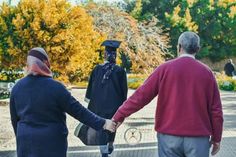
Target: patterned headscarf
38 62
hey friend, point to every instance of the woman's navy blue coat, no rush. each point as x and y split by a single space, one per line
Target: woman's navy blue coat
38 107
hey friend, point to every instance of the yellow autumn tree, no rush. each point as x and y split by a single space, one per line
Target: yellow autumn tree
143 42
64 31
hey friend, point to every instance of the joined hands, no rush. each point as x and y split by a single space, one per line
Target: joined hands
111 125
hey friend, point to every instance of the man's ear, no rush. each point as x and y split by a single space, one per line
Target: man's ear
198 49
179 48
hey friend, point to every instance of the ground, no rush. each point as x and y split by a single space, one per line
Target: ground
142 120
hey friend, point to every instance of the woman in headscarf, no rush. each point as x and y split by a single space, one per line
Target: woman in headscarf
107 90
38 107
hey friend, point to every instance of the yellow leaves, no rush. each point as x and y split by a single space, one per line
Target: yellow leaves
137 9
58 38
167 15
57 50
27 7
222 3
63 78
9 41
175 18
86 57
118 61
40 34
177 10
3 24
191 2
14 52
228 3
35 25
232 11
3 77
18 21
188 17
225 3
5 9
188 21
212 2
65 31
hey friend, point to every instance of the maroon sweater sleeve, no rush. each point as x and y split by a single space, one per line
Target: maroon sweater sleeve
216 115
142 96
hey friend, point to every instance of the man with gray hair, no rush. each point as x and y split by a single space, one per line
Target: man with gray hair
189 116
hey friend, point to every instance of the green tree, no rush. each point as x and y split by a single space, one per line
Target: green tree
136 12
213 20
129 6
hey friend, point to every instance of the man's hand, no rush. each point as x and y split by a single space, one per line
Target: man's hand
216 148
117 124
110 125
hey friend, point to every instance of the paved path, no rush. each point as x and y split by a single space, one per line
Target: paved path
142 120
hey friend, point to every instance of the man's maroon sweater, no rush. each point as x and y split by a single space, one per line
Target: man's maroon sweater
188 103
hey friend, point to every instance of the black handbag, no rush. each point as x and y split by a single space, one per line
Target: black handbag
91 137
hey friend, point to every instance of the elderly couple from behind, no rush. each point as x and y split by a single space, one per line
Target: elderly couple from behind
188 120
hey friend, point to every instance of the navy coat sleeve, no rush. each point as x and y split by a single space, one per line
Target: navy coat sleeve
14 117
76 110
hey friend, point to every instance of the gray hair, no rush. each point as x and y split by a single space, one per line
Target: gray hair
190 42
230 60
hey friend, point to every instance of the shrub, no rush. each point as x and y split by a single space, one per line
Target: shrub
10 75
135 80
226 83
4 94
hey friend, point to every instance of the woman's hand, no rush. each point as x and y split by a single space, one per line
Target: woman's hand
110 125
